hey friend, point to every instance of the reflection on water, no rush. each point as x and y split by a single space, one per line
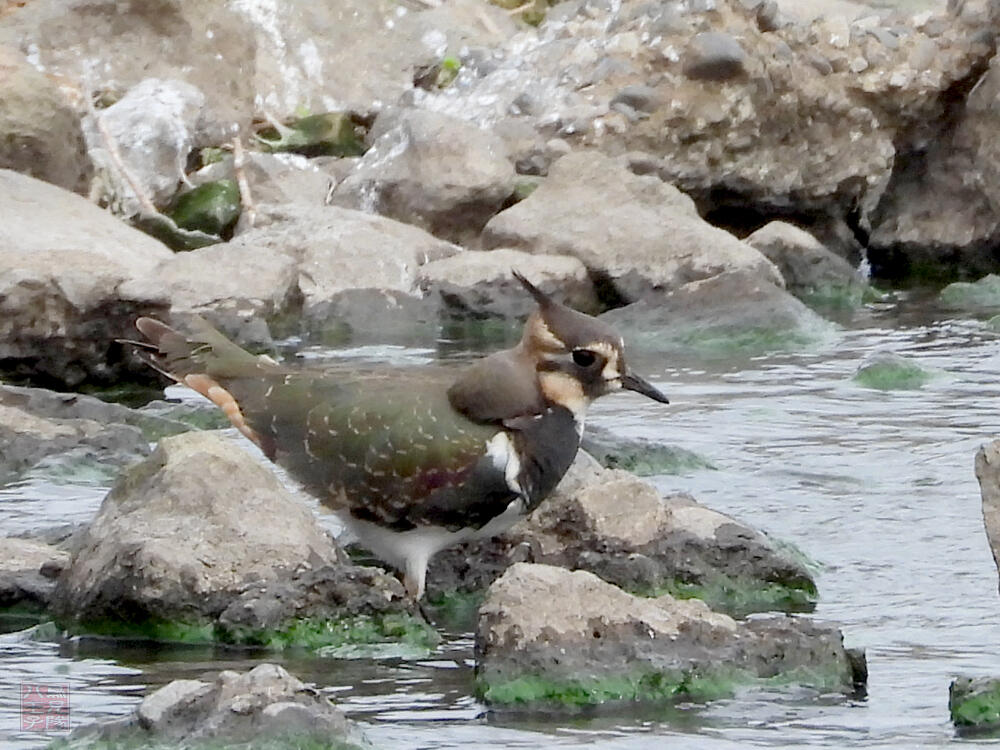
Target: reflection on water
876 486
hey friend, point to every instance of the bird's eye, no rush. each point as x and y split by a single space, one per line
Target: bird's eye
584 357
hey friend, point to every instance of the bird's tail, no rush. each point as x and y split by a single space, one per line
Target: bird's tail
205 361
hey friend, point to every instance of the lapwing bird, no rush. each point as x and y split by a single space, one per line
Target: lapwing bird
413 466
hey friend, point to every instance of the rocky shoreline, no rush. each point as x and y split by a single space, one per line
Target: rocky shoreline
711 177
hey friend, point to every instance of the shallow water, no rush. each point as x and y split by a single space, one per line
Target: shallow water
878 487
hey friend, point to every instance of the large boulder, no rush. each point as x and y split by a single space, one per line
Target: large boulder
41 132
988 473
433 170
811 271
618 527
62 261
733 313
190 534
481 283
549 637
265 704
636 232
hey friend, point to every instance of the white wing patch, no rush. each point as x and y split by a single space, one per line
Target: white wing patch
501 451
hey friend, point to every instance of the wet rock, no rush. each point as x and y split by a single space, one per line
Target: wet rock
811 271
190 532
153 128
62 260
28 569
733 313
41 132
975 705
639 456
433 170
552 638
60 447
481 284
635 231
889 371
988 474
713 56
981 295
264 704
618 527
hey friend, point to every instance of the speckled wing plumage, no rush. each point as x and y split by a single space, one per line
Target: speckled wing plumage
389 451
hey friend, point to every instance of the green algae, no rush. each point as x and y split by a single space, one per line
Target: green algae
739 598
21 616
980 295
642 457
149 629
324 134
212 208
892 374
975 704
456 610
344 634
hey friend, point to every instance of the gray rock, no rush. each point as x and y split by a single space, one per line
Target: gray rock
810 270
188 532
713 56
480 283
618 527
733 313
988 474
153 127
637 96
29 441
637 232
549 637
433 170
264 703
41 133
62 260
28 569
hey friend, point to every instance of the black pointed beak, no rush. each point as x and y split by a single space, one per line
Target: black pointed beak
632 382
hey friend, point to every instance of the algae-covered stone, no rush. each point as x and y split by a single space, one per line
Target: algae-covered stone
888 371
263 707
640 456
185 547
732 314
618 527
975 704
551 638
983 294
326 134
212 208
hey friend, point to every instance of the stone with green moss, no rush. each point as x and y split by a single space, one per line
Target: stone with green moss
325 134
212 208
975 704
888 371
639 456
739 598
165 229
980 295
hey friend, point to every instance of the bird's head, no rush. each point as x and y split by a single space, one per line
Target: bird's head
577 357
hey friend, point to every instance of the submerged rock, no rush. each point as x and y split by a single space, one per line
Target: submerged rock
888 371
42 136
733 313
63 260
246 709
551 638
975 705
983 294
640 456
618 527
811 271
438 172
988 474
185 548
637 232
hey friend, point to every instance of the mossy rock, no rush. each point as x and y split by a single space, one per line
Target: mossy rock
455 610
980 295
177 238
212 208
885 371
975 705
641 457
326 134
739 598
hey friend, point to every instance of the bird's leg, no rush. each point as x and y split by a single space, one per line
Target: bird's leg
413 582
